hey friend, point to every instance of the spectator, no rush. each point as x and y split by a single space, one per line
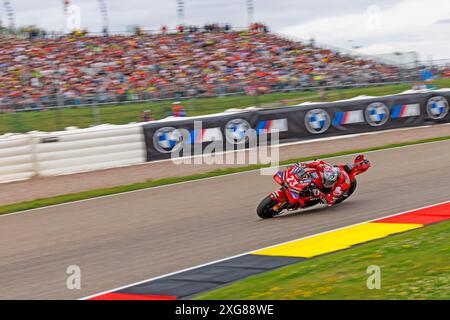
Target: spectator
178 110
147 116
143 66
180 28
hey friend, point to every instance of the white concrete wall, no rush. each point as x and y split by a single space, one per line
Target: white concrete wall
16 157
72 151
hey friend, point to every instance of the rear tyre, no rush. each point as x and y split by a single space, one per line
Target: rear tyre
349 192
265 208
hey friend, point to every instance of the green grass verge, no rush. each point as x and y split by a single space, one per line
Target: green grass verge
414 265
39 203
52 120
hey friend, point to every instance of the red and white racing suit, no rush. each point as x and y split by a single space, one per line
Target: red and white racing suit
341 186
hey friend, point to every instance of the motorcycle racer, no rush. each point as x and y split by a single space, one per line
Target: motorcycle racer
305 185
331 184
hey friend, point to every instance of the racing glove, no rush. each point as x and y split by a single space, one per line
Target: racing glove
327 199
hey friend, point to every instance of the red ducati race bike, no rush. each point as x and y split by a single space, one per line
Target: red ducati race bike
299 188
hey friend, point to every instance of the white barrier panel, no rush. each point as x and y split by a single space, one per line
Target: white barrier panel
47 154
16 157
91 149
84 144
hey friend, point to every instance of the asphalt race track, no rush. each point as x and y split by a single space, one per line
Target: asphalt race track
122 239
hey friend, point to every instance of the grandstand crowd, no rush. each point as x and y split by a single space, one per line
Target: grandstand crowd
190 62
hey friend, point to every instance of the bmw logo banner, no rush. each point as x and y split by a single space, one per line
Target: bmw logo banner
167 139
317 121
437 107
293 123
377 114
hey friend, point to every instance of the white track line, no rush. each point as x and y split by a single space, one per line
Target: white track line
250 252
202 179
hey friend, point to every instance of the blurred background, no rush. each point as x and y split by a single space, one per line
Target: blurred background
84 63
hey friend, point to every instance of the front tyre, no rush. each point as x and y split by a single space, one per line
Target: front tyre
349 192
265 208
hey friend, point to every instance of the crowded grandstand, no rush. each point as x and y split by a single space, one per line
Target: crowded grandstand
190 61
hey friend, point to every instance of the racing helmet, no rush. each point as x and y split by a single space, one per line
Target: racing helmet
331 176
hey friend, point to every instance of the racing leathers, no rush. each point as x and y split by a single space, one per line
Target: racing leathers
329 194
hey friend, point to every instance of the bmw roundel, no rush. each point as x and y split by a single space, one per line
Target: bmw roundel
437 107
167 139
237 131
377 114
317 121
